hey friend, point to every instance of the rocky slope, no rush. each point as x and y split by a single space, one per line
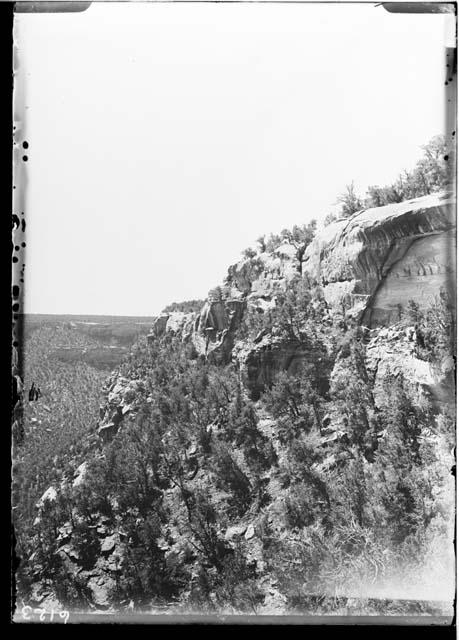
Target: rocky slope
368 267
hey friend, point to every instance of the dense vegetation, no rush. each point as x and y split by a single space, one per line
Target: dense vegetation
361 503
54 427
331 482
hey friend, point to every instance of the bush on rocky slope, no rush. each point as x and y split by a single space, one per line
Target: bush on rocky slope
207 500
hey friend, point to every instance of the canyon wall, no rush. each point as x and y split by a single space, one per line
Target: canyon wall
369 266
375 261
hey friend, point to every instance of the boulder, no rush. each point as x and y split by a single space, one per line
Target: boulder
118 389
235 531
80 474
101 588
107 431
108 544
50 495
250 532
159 327
65 532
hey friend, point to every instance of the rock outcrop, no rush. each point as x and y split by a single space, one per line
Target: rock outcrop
250 283
375 261
369 266
394 350
124 396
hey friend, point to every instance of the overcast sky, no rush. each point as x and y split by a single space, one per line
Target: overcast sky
164 139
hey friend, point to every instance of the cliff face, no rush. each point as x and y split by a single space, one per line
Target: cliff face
378 259
251 284
368 265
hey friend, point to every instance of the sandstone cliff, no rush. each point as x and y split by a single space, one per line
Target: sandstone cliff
368 265
380 258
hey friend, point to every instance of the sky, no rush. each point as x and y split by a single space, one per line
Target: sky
164 139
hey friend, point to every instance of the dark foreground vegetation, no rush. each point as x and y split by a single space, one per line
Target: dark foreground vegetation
330 493
370 505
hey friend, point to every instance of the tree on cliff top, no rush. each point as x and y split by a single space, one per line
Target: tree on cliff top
435 169
433 172
300 236
349 201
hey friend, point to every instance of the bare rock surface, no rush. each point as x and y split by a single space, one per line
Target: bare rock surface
379 258
370 264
